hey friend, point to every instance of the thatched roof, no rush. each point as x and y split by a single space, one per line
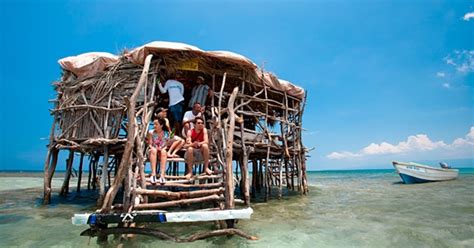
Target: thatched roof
88 64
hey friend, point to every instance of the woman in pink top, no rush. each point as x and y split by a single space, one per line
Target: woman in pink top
158 140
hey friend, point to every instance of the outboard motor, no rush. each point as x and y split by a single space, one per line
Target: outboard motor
444 165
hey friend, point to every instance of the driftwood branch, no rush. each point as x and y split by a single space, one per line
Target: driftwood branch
125 163
165 236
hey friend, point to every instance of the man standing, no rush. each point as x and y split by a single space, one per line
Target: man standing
200 93
175 91
197 147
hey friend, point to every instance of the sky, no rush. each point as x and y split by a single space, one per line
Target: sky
386 80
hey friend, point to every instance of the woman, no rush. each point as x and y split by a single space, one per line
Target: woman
158 140
175 143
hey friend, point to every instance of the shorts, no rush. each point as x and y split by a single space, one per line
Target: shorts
197 155
176 111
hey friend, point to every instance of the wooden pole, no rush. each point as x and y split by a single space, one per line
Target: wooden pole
254 177
158 205
229 178
269 142
47 165
79 178
89 177
49 173
103 177
127 154
244 169
67 176
94 170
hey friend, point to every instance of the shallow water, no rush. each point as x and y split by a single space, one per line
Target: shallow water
342 209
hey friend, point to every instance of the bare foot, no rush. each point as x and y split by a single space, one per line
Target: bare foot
169 155
188 176
175 155
208 172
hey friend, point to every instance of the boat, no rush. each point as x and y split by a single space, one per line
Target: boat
418 173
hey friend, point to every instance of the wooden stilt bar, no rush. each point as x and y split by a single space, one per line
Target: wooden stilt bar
89 177
229 178
159 205
79 178
67 175
49 173
48 165
103 177
245 154
180 195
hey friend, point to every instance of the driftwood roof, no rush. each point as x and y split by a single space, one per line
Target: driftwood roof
88 64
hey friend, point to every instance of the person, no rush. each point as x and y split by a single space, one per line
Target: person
197 147
157 140
163 113
175 142
189 116
175 91
200 93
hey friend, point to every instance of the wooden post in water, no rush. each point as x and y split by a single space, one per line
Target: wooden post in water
103 177
79 178
244 164
49 173
229 178
67 176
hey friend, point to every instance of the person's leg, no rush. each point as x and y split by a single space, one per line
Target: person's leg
175 146
179 144
162 165
189 162
152 157
178 110
185 130
176 118
205 155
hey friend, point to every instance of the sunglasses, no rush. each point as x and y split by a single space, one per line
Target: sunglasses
199 122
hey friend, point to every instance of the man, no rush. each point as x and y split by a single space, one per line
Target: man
189 117
175 91
197 147
200 93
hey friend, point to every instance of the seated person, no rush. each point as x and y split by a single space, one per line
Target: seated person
197 147
175 143
157 140
189 116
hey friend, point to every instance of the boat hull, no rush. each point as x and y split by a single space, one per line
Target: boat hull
417 173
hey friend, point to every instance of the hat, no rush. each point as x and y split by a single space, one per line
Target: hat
161 109
201 77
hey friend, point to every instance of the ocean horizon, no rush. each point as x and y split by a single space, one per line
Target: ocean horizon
361 208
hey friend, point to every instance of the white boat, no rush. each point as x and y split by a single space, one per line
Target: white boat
418 173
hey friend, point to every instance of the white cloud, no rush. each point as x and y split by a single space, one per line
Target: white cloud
463 61
460 147
446 85
308 132
342 155
440 74
468 16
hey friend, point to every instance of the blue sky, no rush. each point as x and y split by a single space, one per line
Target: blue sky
387 80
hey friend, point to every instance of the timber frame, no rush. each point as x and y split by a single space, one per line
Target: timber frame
104 117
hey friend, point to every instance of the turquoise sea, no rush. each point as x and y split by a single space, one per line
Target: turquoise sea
365 208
